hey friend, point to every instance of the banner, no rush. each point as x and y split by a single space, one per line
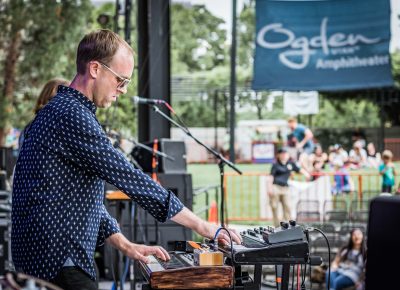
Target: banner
300 103
322 45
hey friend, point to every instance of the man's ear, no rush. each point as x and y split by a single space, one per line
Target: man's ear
93 68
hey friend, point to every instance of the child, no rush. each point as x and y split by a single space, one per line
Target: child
341 180
387 170
279 189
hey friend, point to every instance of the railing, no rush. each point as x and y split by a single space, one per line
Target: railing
246 195
198 193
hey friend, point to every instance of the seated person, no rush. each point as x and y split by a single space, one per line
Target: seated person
373 157
318 166
319 155
348 266
338 153
357 156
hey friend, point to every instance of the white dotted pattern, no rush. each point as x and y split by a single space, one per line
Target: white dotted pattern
57 199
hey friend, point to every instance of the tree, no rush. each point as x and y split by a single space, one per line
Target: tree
197 39
246 33
38 42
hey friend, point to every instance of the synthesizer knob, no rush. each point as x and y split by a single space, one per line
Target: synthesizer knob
284 225
292 223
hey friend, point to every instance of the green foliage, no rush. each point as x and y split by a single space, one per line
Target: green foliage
347 113
396 67
246 33
49 32
197 39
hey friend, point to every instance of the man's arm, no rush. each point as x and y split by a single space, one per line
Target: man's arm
188 219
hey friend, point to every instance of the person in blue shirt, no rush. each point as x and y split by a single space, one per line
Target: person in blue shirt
387 171
58 214
302 135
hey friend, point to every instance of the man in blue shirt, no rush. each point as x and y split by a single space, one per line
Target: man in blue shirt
58 213
303 136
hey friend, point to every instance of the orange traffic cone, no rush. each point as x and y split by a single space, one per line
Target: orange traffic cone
213 212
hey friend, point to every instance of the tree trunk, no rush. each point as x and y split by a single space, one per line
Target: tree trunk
10 68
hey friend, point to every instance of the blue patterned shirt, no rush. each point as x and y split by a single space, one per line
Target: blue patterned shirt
58 189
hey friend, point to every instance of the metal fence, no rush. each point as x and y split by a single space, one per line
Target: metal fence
246 196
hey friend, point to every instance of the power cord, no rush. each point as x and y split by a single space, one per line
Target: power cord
329 252
230 238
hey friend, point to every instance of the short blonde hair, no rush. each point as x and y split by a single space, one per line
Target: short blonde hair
387 154
100 45
49 91
292 120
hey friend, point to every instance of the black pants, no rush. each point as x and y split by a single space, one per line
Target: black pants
73 278
386 188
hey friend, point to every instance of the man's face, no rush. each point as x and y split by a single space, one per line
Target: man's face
292 125
283 157
110 82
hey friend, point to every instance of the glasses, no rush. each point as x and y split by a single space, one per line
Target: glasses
122 82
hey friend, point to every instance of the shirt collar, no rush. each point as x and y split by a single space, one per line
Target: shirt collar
79 96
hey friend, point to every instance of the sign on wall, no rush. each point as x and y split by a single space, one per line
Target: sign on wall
322 45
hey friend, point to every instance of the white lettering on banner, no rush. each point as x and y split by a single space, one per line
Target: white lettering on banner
304 47
350 62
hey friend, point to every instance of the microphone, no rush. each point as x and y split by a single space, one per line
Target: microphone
139 100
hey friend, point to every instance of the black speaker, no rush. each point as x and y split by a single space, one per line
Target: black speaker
383 240
174 149
8 159
5 249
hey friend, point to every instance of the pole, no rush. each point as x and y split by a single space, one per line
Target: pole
216 119
127 28
232 86
116 16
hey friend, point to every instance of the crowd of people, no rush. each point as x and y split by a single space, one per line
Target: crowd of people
311 157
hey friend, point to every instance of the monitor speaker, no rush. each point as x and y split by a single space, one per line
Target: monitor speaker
383 240
174 149
8 159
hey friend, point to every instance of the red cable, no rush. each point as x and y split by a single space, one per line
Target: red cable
154 162
298 277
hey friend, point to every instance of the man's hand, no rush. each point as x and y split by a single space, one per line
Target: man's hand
136 251
223 236
140 252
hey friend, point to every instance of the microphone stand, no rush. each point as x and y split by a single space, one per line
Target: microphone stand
140 145
222 161
155 152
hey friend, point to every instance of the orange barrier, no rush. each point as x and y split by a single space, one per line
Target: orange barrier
213 213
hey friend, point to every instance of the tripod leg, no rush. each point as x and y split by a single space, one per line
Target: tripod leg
282 276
